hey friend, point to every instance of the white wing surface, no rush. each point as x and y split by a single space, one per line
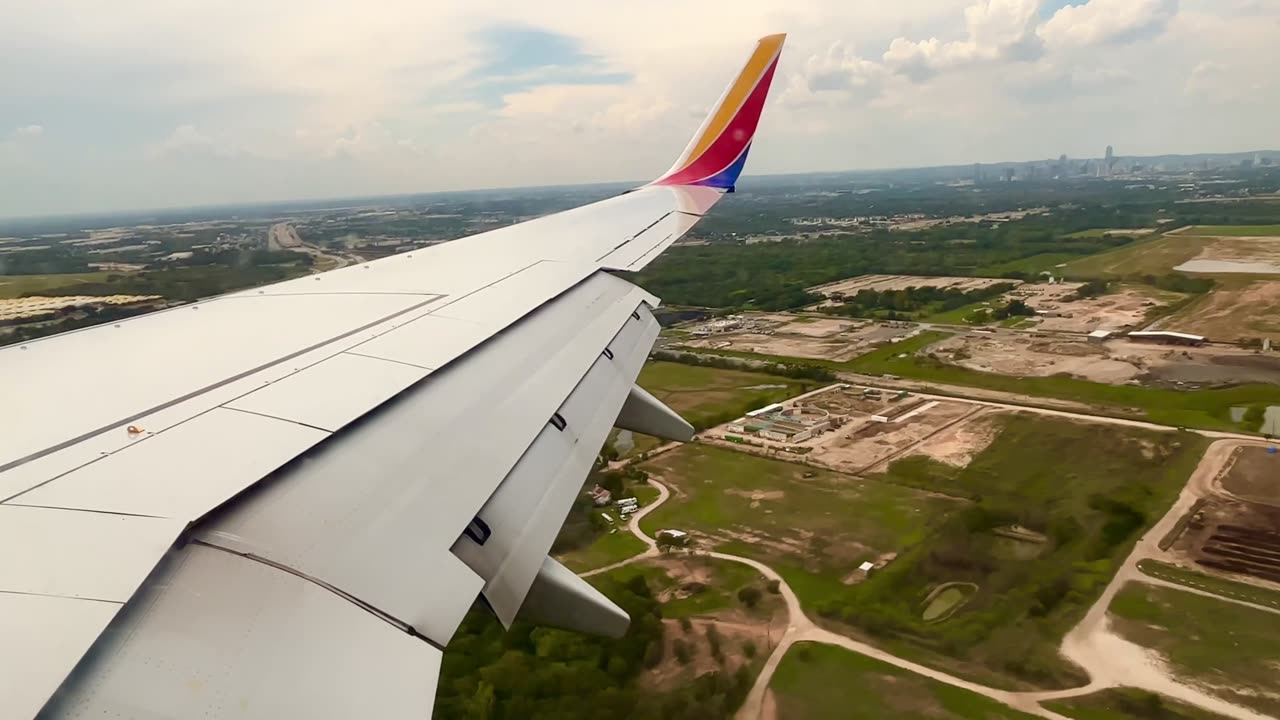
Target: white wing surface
281 502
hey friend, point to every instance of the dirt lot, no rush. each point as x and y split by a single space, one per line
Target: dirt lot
862 445
806 337
1232 312
1234 536
852 285
961 443
1254 475
1124 309
1028 356
1115 361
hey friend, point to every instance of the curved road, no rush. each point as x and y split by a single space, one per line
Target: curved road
1090 644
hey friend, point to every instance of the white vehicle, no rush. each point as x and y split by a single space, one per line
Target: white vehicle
276 503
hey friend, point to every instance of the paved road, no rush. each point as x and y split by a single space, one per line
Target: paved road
1090 644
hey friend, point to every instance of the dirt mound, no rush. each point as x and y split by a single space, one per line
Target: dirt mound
1072 349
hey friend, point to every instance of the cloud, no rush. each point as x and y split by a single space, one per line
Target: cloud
1099 22
313 98
27 131
996 30
184 140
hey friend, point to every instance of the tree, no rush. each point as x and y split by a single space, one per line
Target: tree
750 596
685 624
774 586
749 649
683 651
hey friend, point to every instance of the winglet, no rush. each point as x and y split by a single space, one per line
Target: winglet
718 151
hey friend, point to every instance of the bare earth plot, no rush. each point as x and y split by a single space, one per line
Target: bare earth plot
1125 309
1113 362
864 443
852 286
1254 475
1235 311
805 337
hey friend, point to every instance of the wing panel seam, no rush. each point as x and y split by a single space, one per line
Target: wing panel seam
225 381
389 619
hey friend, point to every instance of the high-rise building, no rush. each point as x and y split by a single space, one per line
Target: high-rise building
1110 161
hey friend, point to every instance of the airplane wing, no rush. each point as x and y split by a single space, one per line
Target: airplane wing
281 502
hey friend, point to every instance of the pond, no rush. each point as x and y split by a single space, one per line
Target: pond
1270 420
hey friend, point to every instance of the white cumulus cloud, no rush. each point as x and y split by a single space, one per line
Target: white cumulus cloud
1107 21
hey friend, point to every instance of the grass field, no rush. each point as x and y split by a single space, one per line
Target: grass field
1155 256
604 550
12 286
822 682
709 396
1233 231
720 582
959 316
1090 510
1209 583
1127 704
1215 644
1045 262
815 530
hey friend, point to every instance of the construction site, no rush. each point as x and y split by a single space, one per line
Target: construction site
858 430
801 336
1107 359
1059 308
1237 529
880 283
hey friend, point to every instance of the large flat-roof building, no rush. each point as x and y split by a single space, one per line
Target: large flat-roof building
1168 337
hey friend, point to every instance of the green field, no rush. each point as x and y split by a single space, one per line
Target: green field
707 396
1233 231
1209 583
1090 510
823 682
607 549
1045 262
12 286
1128 704
1212 642
1155 256
959 316
814 530
720 582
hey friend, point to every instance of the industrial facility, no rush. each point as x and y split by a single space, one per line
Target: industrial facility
795 424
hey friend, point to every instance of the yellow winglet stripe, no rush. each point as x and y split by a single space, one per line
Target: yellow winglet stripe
766 50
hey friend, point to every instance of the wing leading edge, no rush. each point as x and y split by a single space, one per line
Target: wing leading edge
373 447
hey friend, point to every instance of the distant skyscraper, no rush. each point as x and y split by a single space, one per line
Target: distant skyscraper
1110 161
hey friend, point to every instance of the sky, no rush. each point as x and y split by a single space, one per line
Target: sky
137 104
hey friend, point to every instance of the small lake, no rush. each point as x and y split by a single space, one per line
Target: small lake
1270 421
1228 266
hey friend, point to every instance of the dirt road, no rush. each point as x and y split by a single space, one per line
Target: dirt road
1103 654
